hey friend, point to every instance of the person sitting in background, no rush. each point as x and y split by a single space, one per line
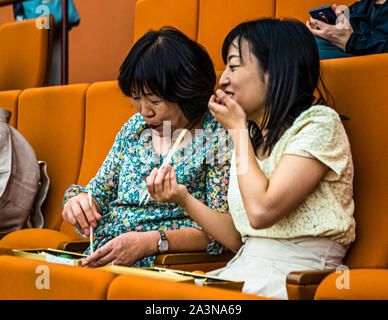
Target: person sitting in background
291 181
364 30
170 79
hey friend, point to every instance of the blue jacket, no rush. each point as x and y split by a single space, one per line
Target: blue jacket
370 28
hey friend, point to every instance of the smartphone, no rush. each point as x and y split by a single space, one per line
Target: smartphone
325 14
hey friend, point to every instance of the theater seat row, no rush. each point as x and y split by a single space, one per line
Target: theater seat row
72 128
27 279
30 279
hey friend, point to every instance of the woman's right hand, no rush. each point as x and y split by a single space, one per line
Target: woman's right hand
77 212
163 187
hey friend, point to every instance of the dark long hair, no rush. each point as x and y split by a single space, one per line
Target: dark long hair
171 66
287 50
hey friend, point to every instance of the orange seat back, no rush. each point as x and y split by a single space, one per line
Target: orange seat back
358 86
25 55
218 17
52 121
154 14
107 109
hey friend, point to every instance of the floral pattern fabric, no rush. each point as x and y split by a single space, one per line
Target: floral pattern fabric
202 165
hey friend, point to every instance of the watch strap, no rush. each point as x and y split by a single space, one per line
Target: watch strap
162 235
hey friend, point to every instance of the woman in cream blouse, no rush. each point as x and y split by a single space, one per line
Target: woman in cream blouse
290 192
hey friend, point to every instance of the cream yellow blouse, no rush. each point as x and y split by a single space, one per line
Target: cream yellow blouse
328 210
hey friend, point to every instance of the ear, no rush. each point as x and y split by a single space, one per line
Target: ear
266 78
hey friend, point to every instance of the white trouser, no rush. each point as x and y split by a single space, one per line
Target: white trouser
264 263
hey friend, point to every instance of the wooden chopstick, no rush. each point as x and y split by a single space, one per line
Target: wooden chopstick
91 229
166 162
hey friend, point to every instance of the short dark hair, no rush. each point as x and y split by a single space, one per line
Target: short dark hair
171 66
287 50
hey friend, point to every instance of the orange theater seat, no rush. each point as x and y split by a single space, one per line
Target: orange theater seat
25 55
218 17
28 279
358 87
154 14
128 287
52 120
107 109
357 284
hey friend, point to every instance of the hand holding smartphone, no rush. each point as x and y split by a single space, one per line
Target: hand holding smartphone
325 14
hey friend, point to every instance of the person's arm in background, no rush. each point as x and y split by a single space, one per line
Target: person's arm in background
349 40
337 34
376 42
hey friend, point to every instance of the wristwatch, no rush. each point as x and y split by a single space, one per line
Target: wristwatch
163 242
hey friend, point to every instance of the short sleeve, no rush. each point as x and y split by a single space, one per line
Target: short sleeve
320 134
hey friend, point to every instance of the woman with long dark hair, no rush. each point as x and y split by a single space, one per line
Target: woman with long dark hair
290 190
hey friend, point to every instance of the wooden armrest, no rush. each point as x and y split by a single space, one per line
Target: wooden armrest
308 277
6 252
74 246
191 257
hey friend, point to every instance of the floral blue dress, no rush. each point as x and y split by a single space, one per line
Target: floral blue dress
202 165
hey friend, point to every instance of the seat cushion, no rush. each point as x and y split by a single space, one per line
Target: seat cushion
26 279
34 238
356 284
128 287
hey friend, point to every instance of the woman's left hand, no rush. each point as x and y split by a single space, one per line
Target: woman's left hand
227 111
124 250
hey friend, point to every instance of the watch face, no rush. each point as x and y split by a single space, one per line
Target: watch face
163 245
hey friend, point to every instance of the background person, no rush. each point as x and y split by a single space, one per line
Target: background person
365 33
